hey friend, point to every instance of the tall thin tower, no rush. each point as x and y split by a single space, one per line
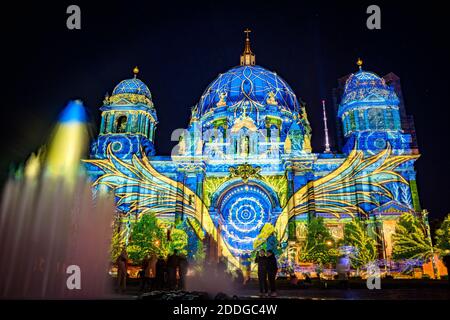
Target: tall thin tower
327 141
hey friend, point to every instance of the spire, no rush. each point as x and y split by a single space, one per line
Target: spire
247 57
359 63
135 71
327 141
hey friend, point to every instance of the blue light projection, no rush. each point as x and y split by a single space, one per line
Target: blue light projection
248 83
74 112
248 193
244 210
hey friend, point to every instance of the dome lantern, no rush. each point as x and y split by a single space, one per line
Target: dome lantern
247 57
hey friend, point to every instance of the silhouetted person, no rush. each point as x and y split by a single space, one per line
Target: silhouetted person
272 268
144 280
261 261
122 266
307 278
239 280
160 271
150 272
248 272
343 269
306 282
221 267
172 265
446 261
293 280
182 271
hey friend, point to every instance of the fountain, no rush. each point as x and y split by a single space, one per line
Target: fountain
54 234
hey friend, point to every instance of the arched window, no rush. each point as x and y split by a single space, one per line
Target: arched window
134 121
222 134
372 114
243 145
344 125
351 117
380 119
247 145
361 120
105 123
274 133
121 126
181 145
347 125
390 120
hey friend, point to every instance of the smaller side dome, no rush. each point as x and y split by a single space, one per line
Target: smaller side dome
369 112
133 86
363 86
132 91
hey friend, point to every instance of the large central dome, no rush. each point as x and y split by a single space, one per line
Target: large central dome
248 84
247 111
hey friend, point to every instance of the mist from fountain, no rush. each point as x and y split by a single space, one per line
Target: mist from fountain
50 220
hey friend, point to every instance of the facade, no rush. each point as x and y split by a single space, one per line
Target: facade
243 173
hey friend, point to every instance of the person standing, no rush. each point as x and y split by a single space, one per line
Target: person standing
272 268
239 279
343 269
182 271
261 261
160 272
172 265
221 267
143 274
122 266
248 273
150 272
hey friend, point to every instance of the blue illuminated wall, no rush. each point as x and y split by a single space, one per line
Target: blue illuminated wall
243 170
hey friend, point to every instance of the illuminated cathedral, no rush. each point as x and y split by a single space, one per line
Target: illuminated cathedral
243 173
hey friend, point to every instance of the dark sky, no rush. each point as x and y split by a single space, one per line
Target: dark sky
181 47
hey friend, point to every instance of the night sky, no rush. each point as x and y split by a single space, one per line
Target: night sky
181 47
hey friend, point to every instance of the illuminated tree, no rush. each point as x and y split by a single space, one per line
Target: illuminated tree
147 238
356 235
267 240
443 236
178 241
319 247
410 239
117 243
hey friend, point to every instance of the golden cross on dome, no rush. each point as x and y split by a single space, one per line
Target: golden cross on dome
247 31
247 57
